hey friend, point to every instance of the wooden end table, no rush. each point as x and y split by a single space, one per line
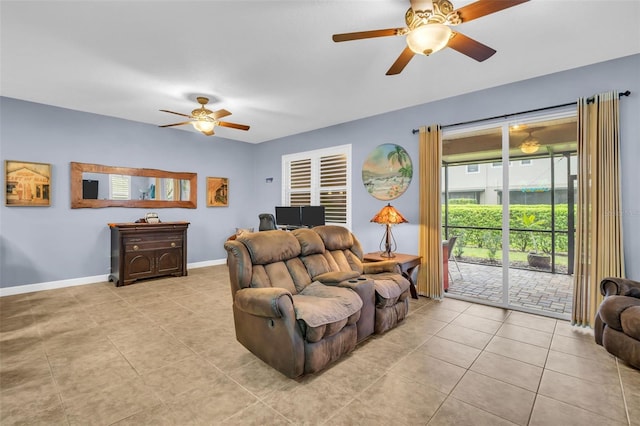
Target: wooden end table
407 263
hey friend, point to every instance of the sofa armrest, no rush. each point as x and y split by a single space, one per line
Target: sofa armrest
379 267
336 277
611 286
263 302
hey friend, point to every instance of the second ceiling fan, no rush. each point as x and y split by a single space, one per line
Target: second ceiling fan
428 29
204 120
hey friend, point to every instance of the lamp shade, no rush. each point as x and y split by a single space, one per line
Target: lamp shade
388 215
428 38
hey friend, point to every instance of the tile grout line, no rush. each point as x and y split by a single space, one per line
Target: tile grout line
624 398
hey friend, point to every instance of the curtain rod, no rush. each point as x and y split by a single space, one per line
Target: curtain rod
589 100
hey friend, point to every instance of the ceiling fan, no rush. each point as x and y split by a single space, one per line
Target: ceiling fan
428 29
204 120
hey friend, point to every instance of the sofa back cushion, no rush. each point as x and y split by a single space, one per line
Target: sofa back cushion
310 242
343 249
275 262
270 246
335 237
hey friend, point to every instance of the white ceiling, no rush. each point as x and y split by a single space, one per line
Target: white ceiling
273 63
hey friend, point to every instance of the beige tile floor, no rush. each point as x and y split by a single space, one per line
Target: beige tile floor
163 352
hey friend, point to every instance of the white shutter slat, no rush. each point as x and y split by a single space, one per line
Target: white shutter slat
320 177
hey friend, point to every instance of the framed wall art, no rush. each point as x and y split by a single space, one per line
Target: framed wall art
27 184
387 172
217 192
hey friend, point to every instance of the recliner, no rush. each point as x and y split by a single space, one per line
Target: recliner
303 299
292 323
617 322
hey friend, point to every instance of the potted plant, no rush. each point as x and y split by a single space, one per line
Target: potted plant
534 258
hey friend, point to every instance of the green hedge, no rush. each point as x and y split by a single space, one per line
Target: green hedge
490 216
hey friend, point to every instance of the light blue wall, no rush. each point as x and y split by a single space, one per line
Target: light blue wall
42 244
57 243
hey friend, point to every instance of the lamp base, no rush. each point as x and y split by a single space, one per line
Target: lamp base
387 254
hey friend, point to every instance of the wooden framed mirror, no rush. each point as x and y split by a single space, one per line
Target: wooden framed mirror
97 186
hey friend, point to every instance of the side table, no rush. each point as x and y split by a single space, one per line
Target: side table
407 263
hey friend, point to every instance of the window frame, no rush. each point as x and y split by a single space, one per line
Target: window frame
472 172
315 178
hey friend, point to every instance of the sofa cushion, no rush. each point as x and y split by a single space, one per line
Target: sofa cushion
630 321
612 307
316 264
390 288
335 277
335 237
633 292
323 311
270 246
310 241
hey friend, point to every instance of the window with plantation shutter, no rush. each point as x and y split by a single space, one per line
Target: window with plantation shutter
320 178
119 187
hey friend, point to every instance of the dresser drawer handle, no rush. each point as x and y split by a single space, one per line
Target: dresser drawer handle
136 247
173 244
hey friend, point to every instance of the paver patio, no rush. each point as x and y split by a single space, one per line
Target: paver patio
542 291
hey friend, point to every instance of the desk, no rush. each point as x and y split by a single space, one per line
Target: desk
407 263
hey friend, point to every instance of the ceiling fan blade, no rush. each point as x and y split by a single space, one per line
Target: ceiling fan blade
209 133
176 124
176 113
401 62
368 34
219 114
233 125
485 7
470 47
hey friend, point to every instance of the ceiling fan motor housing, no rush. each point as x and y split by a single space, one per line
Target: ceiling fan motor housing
442 13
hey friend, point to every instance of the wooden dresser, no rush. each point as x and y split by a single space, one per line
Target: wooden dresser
147 250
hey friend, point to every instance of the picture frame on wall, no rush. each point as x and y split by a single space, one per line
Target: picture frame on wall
217 192
387 172
27 183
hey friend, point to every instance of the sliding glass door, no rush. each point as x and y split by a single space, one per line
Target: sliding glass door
508 199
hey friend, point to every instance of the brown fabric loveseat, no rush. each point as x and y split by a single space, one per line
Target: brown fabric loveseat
298 306
617 324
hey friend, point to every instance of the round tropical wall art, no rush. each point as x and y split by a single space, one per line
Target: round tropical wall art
387 171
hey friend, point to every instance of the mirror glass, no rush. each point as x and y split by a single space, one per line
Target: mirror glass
95 185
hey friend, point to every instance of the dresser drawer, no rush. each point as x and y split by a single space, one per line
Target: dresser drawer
151 245
148 241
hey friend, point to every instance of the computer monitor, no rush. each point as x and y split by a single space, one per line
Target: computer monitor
288 216
312 216
89 189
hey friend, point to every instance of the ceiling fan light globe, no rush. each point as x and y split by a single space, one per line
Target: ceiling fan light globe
428 38
530 145
203 125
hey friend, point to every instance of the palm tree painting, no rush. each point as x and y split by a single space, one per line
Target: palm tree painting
387 171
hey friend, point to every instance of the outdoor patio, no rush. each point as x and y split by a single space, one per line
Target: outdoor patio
542 291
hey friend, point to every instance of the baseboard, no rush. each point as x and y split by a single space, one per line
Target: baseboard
72 282
207 263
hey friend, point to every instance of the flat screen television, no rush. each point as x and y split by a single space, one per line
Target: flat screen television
89 189
288 216
312 216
